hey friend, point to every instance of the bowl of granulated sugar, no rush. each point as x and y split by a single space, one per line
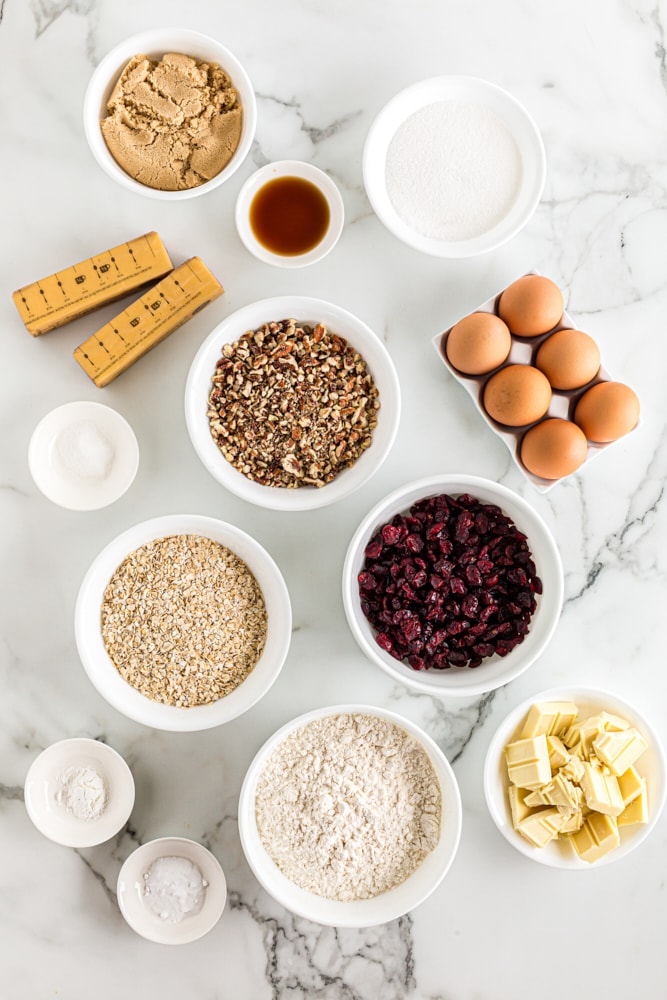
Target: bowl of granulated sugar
350 816
454 166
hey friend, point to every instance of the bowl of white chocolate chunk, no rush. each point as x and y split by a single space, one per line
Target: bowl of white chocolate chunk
350 816
575 778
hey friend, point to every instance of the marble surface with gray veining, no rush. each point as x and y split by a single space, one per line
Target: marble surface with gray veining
594 77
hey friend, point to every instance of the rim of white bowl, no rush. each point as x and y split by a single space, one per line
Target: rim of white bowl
496 671
364 912
290 168
305 309
554 855
475 90
127 699
154 43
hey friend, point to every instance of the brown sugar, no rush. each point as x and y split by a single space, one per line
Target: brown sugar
172 123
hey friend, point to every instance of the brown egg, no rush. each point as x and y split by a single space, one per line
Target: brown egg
553 448
569 359
517 395
478 343
531 305
607 411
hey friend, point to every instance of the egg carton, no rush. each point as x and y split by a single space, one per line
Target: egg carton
523 352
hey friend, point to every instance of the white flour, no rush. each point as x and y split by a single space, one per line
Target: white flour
453 170
348 806
82 792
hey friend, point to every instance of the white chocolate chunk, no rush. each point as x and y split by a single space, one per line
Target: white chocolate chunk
619 750
601 791
528 762
542 826
636 811
631 785
549 718
598 836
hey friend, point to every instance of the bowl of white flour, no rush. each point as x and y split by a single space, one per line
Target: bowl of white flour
454 166
350 816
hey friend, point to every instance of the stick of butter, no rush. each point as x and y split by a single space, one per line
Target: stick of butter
79 289
147 321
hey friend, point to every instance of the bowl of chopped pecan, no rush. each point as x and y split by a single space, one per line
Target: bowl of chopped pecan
453 585
292 403
183 622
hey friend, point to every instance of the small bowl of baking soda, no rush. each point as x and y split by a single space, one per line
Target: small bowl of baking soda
454 166
83 455
172 890
79 792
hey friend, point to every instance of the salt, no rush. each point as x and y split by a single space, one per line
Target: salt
82 792
453 170
174 888
83 451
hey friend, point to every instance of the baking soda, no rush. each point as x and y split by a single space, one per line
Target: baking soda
453 171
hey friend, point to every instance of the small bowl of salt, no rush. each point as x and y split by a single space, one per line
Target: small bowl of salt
83 455
172 890
79 792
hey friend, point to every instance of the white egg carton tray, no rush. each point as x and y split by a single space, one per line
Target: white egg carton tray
523 352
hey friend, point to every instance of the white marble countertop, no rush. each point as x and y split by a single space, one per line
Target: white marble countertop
499 927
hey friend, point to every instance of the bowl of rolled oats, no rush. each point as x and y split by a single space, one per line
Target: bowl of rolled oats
292 403
183 622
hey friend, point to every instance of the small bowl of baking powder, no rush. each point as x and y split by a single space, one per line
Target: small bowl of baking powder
350 816
454 166
172 890
79 792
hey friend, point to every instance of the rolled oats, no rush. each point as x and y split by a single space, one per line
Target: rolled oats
183 620
292 405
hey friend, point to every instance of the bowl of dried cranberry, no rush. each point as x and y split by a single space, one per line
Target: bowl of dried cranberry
453 585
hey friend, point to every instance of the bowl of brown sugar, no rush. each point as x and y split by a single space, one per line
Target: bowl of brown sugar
170 113
183 622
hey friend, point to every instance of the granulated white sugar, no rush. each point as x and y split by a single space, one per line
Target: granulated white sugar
453 170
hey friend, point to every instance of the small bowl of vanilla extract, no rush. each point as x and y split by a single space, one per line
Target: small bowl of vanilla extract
289 214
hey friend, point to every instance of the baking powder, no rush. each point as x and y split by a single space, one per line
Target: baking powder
82 792
453 170
348 806
174 888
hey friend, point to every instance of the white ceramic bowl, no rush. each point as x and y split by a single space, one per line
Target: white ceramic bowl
148 924
494 671
468 90
364 912
155 43
43 783
128 699
290 168
67 488
590 701
305 310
